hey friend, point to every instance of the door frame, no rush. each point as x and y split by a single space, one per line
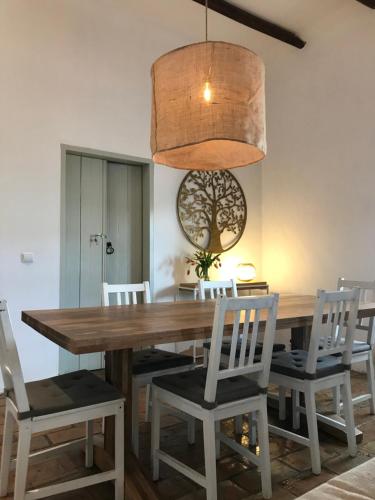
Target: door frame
148 208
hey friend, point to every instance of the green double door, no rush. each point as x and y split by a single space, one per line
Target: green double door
102 236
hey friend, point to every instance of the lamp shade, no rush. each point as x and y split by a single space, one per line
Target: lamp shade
208 109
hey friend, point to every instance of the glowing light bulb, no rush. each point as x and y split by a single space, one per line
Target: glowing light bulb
207 93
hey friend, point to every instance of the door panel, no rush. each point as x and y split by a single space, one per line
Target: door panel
92 206
124 223
71 251
92 215
100 198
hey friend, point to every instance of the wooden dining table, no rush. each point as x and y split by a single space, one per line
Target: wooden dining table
118 330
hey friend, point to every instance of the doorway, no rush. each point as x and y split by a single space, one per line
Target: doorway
105 232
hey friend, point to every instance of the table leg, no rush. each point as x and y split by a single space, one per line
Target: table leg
300 337
118 371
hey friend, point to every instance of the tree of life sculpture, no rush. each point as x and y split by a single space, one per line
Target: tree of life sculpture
211 208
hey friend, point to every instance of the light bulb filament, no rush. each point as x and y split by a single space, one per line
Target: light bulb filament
207 93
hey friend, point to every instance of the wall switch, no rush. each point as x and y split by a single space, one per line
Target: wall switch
27 257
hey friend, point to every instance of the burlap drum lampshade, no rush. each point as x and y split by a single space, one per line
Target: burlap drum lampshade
208 109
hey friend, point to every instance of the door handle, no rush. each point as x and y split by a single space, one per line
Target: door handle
94 237
109 250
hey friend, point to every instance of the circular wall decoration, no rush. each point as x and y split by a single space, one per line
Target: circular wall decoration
211 208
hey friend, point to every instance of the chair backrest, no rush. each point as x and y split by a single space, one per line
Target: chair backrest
216 288
9 361
126 294
366 294
244 314
334 321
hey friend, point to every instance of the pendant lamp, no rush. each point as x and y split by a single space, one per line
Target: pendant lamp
208 107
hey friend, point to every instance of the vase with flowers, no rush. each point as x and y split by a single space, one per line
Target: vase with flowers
202 261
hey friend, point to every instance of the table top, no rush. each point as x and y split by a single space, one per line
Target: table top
241 285
96 329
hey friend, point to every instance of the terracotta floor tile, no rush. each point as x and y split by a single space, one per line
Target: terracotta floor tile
345 462
176 487
301 461
278 493
306 481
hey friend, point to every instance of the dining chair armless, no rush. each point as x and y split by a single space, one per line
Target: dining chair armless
219 392
147 363
324 366
51 403
363 350
213 289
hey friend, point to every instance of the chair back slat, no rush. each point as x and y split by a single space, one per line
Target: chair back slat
128 291
332 332
233 347
367 294
240 310
254 338
9 361
245 337
216 288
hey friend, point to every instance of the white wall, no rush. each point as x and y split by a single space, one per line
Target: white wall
77 72
319 177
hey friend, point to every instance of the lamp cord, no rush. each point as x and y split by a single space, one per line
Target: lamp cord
206 20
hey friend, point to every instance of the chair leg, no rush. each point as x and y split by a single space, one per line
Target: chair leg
210 456
119 454
238 424
252 429
191 430
205 357
22 462
6 452
336 400
349 415
155 435
217 439
282 403
89 444
148 403
371 380
135 418
265 461
295 409
312 425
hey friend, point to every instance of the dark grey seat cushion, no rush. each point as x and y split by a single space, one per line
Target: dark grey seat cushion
151 360
66 392
191 385
225 348
359 346
293 364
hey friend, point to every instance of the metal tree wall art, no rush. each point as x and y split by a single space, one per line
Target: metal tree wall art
211 209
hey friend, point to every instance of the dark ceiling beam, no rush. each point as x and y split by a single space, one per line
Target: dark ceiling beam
252 21
368 3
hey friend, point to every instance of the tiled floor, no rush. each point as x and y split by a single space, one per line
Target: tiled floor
238 479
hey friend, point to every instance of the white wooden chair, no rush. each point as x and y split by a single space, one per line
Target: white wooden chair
363 351
147 363
216 393
51 403
214 289
321 368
